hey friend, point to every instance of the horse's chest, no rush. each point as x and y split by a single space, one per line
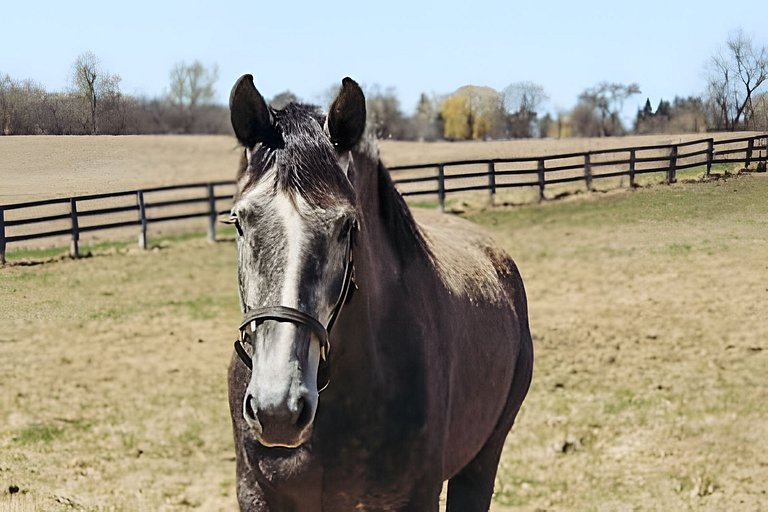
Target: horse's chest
372 500
371 484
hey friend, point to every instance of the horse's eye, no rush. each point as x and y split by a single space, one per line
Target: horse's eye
345 230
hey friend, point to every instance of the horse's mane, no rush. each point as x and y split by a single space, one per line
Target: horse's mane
466 260
408 240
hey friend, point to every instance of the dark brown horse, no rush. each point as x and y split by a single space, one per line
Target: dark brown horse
421 328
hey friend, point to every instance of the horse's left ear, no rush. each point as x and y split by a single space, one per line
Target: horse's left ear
346 117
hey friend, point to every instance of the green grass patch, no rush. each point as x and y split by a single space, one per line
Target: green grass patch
675 203
44 253
39 433
422 204
47 432
35 253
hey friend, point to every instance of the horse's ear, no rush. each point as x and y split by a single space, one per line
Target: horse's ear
251 118
346 117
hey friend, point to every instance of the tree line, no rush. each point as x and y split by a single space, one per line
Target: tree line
735 98
95 104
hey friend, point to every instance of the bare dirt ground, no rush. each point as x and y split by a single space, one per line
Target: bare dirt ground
648 316
34 167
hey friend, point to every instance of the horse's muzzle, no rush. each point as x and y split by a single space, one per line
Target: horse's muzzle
285 425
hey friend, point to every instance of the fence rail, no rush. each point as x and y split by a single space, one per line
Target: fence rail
87 213
144 207
441 179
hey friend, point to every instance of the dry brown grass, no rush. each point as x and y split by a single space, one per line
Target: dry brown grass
647 310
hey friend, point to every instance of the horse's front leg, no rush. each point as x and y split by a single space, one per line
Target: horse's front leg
250 496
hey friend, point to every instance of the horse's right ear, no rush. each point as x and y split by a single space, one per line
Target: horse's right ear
251 118
346 117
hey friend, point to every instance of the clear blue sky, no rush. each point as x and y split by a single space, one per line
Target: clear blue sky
414 46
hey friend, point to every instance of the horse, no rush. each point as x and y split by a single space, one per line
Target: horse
415 332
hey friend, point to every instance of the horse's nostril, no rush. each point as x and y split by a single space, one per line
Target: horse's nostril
303 414
249 409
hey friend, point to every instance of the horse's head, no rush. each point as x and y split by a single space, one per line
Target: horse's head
295 214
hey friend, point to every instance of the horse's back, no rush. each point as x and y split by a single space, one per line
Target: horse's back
468 260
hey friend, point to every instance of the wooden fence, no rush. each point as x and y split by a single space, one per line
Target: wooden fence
71 216
441 179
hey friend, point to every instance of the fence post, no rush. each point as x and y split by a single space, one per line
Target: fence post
2 237
211 213
142 220
672 165
588 171
441 186
764 146
750 147
74 249
491 181
542 182
710 154
632 156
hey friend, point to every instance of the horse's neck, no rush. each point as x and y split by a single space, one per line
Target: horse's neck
376 250
377 273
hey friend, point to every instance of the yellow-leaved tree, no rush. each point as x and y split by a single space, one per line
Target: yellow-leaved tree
472 112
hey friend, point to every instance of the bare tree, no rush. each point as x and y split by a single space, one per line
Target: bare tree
384 114
425 119
760 119
191 89
325 97
734 74
523 97
280 100
22 107
91 82
522 101
606 100
114 107
6 104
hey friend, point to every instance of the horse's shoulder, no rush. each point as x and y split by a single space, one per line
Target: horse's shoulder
467 259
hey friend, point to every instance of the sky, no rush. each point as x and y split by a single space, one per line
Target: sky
433 47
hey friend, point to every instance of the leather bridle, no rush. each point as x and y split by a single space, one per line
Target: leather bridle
278 313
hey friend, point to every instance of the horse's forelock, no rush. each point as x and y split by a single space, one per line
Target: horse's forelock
306 164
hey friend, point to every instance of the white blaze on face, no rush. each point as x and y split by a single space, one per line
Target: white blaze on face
282 348
294 227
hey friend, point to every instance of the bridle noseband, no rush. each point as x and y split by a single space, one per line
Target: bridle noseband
255 317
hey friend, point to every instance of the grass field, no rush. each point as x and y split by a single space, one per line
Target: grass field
648 316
